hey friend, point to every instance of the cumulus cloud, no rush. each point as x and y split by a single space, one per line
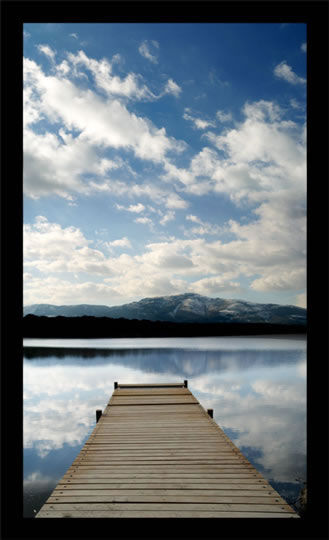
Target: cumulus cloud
50 248
263 161
100 122
57 164
286 280
145 49
51 251
215 286
285 72
131 86
259 162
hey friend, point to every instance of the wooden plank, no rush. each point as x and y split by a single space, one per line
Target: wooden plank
136 506
155 452
161 466
170 451
225 502
87 491
238 489
159 514
156 477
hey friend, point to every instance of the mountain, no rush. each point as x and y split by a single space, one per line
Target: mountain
189 307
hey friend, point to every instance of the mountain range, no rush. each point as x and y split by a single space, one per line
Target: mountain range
189 307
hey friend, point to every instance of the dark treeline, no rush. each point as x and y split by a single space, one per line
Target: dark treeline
102 327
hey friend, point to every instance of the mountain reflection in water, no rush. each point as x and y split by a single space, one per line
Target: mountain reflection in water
258 395
166 360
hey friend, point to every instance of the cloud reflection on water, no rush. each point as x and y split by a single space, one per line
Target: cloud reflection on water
258 396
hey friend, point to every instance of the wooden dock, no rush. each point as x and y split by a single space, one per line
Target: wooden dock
156 452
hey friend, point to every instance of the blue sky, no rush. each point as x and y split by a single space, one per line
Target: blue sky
161 159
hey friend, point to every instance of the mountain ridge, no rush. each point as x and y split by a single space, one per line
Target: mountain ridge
187 307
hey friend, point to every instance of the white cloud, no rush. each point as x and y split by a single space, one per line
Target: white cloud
264 164
74 35
169 216
120 242
45 49
260 161
303 47
145 50
197 122
54 165
175 201
284 71
51 250
161 196
101 124
263 154
223 116
203 227
172 88
286 280
130 87
135 208
195 219
215 286
143 220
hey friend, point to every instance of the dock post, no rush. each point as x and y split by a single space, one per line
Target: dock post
98 415
210 412
115 385
185 384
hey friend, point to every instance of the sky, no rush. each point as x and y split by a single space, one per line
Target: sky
162 159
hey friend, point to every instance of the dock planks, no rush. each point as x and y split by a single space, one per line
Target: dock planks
155 452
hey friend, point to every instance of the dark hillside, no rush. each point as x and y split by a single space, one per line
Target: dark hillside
97 327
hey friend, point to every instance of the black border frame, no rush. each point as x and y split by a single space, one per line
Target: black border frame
14 14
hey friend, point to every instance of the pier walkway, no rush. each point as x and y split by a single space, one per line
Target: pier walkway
156 452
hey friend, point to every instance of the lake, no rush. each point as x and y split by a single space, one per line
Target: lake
255 385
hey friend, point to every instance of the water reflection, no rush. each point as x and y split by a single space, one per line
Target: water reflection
258 396
174 361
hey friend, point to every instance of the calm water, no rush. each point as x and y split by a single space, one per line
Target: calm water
256 386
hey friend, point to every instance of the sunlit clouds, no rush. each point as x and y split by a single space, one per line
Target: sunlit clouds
124 132
285 72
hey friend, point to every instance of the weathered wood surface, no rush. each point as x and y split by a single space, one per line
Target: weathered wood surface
155 452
